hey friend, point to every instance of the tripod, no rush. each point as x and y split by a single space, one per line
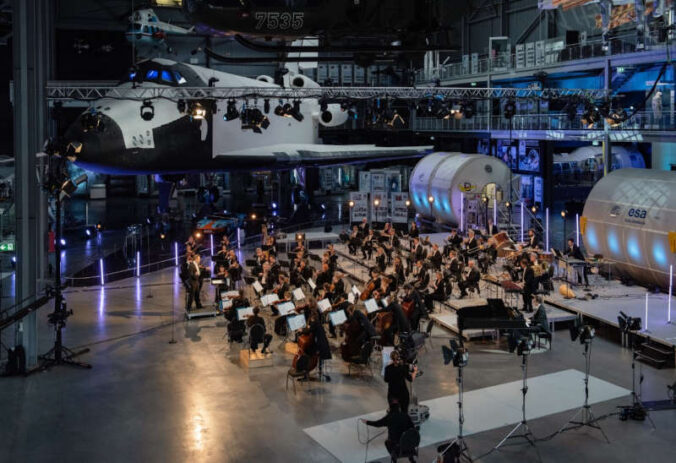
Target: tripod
459 442
636 410
59 354
527 434
587 417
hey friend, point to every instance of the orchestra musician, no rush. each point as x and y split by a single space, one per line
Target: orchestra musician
381 259
533 240
471 245
421 276
437 291
221 273
413 233
454 268
256 319
320 345
235 326
492 229
471 280
368 331
324 276
529 285
275 268
363 228
454 241
399 271
418 252
194 282
573 251
436 257
354 242
367 245
337 285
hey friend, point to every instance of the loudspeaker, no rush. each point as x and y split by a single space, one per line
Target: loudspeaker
572 37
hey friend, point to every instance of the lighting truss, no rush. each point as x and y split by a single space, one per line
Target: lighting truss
65 92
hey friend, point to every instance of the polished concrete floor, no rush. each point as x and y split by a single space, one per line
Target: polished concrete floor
149 400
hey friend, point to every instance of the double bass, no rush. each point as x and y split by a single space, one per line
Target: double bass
306 342
350 347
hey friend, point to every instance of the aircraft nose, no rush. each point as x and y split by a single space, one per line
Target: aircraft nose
99 136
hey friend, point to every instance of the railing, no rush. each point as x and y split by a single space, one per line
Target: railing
643 120
591 49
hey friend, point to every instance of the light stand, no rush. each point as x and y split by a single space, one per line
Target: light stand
527 433
459 356
636 411
587 417
60 354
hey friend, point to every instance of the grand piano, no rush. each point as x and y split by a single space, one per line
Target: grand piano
494 315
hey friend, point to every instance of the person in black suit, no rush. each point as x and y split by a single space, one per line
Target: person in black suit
436 258
533 240
573 251
256 319
454 241
194 283
529 287
471 280
422 277
436 292
396 375
418 251
454 267
397 422
367 329
492 229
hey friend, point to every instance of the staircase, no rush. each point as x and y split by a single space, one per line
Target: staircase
621 78
656 355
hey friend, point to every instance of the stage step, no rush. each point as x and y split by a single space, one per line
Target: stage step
250 359
656 355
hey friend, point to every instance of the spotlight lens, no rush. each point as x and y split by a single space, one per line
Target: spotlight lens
351 203
431 199
63 242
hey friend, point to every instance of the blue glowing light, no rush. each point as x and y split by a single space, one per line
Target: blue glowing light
88 232
613 242
274 206
63 242
152 74
166 76
592 239
634 248
659 254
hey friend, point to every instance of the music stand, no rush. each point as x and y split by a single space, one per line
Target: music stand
527 433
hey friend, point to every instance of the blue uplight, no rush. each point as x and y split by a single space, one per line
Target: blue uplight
659 254
634 248
613 242
592 239
152 74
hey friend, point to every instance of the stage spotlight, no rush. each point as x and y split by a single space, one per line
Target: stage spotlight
534 209
563 214
99 226
274 205
198 234
430 199
456 354
509 109
91 121
88 232
147 111
163 236
300 236
231 112
616 117
279 109
408 203
508 205
376 202
295 111
197 111
350 203
590 116
253 216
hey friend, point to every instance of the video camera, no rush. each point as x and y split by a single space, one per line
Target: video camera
409 344
522 345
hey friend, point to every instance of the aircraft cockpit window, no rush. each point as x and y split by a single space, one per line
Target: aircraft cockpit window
135 27
179 78
145 29
151 75
166 76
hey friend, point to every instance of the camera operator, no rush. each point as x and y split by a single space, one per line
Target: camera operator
396 374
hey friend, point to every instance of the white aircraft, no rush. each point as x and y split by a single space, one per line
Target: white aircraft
176 137
146 28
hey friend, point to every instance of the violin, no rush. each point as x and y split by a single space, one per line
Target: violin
370 287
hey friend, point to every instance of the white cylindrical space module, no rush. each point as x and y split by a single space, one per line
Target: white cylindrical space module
630 218
440 182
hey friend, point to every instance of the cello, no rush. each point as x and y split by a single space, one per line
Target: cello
350 347
306 342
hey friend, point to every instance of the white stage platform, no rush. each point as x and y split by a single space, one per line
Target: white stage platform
485 409
614 297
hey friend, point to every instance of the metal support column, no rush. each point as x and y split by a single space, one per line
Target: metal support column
32 42
607 149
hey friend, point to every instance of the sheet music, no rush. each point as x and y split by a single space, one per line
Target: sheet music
286 307
311 283
385 302
350 298
356 291
298 294
231 294
324 305
226 304
217 281
338 317
371 305
244 312
296 322
257 286
269 299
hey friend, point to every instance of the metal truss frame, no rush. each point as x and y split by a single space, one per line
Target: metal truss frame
65 92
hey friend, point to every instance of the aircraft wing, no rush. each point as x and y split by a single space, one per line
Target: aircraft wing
300 155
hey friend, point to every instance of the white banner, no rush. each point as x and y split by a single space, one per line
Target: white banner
378 182
360 210
380 213
399 208
365 181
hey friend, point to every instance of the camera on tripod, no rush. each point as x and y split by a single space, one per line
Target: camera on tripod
409 344
522 344
456 353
